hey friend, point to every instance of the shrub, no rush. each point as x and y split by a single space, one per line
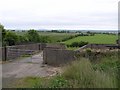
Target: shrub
33 36
82 43
88 50
58 82
53 82
78 44
74 44
10 38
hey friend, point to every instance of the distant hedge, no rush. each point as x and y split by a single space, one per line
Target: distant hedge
77 44
77 35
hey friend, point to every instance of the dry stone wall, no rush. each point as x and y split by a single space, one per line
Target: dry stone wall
100 46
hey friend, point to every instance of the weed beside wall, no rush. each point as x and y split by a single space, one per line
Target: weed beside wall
96 55
82 73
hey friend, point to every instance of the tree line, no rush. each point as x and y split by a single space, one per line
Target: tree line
10 38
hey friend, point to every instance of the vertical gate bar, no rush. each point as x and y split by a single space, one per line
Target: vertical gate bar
5 48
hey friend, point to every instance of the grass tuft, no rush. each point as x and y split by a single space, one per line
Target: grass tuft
84 76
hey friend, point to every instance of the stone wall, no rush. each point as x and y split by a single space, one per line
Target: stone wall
57 46
99 46
56 57
96 46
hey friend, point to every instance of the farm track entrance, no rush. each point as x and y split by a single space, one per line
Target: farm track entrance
24 67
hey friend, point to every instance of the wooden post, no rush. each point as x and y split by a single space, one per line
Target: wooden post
5 52
39 47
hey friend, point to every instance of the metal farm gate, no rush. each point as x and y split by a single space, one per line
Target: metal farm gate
16 54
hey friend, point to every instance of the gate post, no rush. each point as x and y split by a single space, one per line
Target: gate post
39 46
5 52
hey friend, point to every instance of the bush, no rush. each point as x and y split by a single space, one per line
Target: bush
77 44
88 50
58 82
74 44
44 39
33 36
11 38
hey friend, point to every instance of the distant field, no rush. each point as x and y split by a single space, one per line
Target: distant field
54 37
97 39
19 33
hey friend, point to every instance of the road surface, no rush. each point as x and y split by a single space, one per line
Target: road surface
25 67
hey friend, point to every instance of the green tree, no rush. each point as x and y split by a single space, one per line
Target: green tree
22 39
45 39
2 34
11 38
33 36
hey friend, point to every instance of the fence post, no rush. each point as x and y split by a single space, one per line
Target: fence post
5 52
39 46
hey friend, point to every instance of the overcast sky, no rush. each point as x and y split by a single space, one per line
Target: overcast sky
59 14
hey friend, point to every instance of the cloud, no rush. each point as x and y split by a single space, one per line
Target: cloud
66 14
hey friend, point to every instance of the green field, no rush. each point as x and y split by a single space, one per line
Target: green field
54 37
96 39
